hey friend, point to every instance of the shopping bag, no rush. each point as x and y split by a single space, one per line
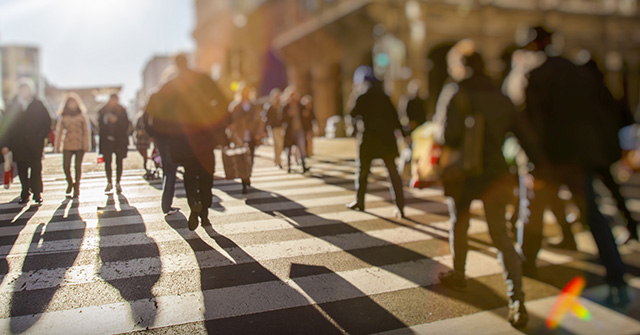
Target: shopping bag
237 162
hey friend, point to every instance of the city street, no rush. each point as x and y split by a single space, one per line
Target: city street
286 258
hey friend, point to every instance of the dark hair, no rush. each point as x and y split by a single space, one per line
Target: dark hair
66 110
475 62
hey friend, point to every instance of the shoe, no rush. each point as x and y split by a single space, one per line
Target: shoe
305 169
565 245
118 188
204 218
69 188
172 211
109 188
244 188
76 192
23 201
453 280
355 206
518 316
399 213
193 217
618 295
37 199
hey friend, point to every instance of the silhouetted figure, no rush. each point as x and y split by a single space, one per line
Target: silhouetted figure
246 125
412 108
113 125
72 139
143 141
273 120
308 119
294 128
570 139
24 128
476 117
161 123
200 110
377 126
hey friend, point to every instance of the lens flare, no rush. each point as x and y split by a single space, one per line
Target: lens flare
568 301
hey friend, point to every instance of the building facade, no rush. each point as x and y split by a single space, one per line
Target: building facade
19 61
317 44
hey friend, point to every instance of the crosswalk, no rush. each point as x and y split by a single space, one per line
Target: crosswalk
287 258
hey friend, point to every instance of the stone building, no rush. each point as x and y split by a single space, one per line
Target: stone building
317 44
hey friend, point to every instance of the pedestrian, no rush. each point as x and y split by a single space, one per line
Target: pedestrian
23 131
113 126
476 117
294 132
143 141
412 108
72 139
161 123
571 127
273 120
376 137
308 119
200 109
246 127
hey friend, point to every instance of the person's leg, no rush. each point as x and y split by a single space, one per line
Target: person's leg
278 141
66 167
612 185
531 239
396 183
364 165
301 143
23 175
458 241
119 167
108 158
78 167
205 183
558 208
169 169
35 178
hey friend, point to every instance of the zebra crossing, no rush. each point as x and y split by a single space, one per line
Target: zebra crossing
286 258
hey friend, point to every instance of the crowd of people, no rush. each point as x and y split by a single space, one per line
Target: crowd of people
562 114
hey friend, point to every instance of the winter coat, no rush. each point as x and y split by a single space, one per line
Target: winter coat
72 133
113 125
24 132
246 125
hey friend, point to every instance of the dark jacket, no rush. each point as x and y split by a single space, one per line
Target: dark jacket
570 118
200 115
478 95
272 116
380 122
245 122
113 126
414 110
23 132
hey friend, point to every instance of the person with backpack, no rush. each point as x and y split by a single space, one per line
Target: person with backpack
198 114
476 117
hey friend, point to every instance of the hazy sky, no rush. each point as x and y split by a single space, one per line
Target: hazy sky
98 42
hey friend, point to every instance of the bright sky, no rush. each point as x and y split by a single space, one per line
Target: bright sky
98 42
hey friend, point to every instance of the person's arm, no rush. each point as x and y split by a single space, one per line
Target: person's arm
86 135
454 123
45 120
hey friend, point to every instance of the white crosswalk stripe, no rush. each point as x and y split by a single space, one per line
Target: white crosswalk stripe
286 258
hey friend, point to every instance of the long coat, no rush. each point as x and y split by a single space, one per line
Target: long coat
23 132
113 125
380 122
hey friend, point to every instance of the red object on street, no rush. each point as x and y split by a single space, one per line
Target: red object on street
7 178
100 159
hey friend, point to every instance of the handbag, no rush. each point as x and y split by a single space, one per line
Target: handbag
237 161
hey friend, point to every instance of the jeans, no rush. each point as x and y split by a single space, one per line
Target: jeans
169 168
30 181
66 165
495 197
364 165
